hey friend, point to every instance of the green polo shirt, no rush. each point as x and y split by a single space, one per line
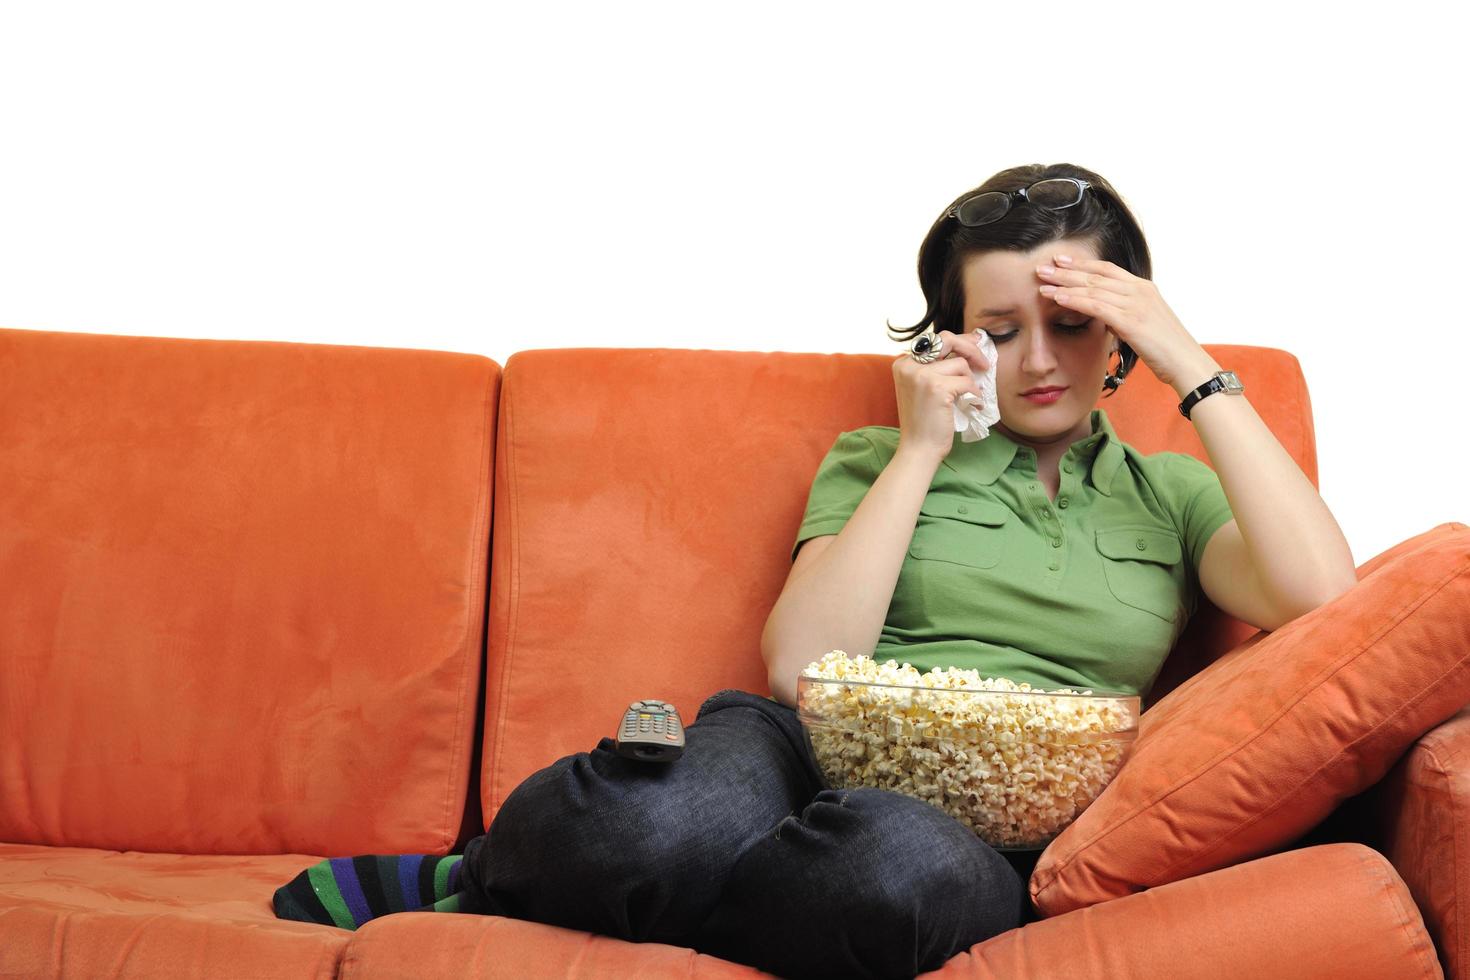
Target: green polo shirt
1088 591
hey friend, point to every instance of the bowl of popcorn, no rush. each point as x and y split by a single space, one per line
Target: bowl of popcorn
1014 763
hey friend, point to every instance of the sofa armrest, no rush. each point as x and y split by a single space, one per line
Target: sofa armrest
1418 816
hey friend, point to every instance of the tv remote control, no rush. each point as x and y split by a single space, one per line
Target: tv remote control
650 730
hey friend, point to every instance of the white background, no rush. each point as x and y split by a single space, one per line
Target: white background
751 176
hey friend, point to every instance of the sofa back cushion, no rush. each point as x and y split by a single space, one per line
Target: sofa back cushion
244 592
646 504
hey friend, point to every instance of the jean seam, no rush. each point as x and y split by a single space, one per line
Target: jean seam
782 821
707 700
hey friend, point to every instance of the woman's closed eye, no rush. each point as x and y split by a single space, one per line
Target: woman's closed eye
1071 328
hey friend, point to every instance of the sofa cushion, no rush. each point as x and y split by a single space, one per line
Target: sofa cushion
470 947
1248 755
1336 910
80 912
245 593
645 503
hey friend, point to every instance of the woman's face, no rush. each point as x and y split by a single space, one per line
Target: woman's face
1038 343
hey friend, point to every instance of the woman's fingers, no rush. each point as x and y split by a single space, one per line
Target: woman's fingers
950 375
961 386
965 346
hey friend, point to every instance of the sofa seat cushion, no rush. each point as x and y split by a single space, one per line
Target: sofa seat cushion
1331 911
1248 755
83 912
439 944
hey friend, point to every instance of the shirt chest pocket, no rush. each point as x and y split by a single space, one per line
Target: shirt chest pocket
960 530
1141 565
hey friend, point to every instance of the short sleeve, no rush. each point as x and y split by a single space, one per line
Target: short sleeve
1198 503
843 478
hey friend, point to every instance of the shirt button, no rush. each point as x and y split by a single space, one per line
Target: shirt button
1062 503
1055 565
1067 467
964 509
1056 543
1141 545
1033 486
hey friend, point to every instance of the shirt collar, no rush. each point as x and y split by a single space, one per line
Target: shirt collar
985 460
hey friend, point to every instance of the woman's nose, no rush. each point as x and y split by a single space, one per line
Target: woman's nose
1038 354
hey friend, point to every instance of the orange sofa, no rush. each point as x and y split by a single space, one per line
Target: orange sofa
266 603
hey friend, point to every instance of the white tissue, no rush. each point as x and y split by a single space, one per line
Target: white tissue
975 422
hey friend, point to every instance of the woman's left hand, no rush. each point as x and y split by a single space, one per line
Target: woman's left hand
1130 305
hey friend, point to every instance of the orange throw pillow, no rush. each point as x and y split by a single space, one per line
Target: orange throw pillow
1256 749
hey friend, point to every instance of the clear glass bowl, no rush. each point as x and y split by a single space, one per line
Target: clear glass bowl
1016 767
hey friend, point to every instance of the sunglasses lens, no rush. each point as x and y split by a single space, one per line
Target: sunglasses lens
1057 193
982 208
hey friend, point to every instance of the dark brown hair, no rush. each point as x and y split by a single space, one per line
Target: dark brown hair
1100 217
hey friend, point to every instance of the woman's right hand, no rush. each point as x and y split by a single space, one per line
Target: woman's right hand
927 393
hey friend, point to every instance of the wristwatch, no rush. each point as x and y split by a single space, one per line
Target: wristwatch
1225 381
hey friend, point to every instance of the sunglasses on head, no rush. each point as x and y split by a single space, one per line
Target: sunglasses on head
1053 194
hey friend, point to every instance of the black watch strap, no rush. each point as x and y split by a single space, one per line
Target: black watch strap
1220 381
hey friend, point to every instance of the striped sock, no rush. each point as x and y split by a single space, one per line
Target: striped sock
348 891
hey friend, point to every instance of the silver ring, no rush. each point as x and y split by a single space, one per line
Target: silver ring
929 347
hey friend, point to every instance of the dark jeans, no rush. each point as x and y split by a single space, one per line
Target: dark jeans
735 849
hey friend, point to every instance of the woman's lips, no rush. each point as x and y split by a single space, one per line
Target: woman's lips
1045 397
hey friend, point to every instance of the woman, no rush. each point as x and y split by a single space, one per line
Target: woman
1049 551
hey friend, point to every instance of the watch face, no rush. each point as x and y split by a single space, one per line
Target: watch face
1230 381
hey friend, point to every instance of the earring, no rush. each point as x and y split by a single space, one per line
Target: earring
1111 380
